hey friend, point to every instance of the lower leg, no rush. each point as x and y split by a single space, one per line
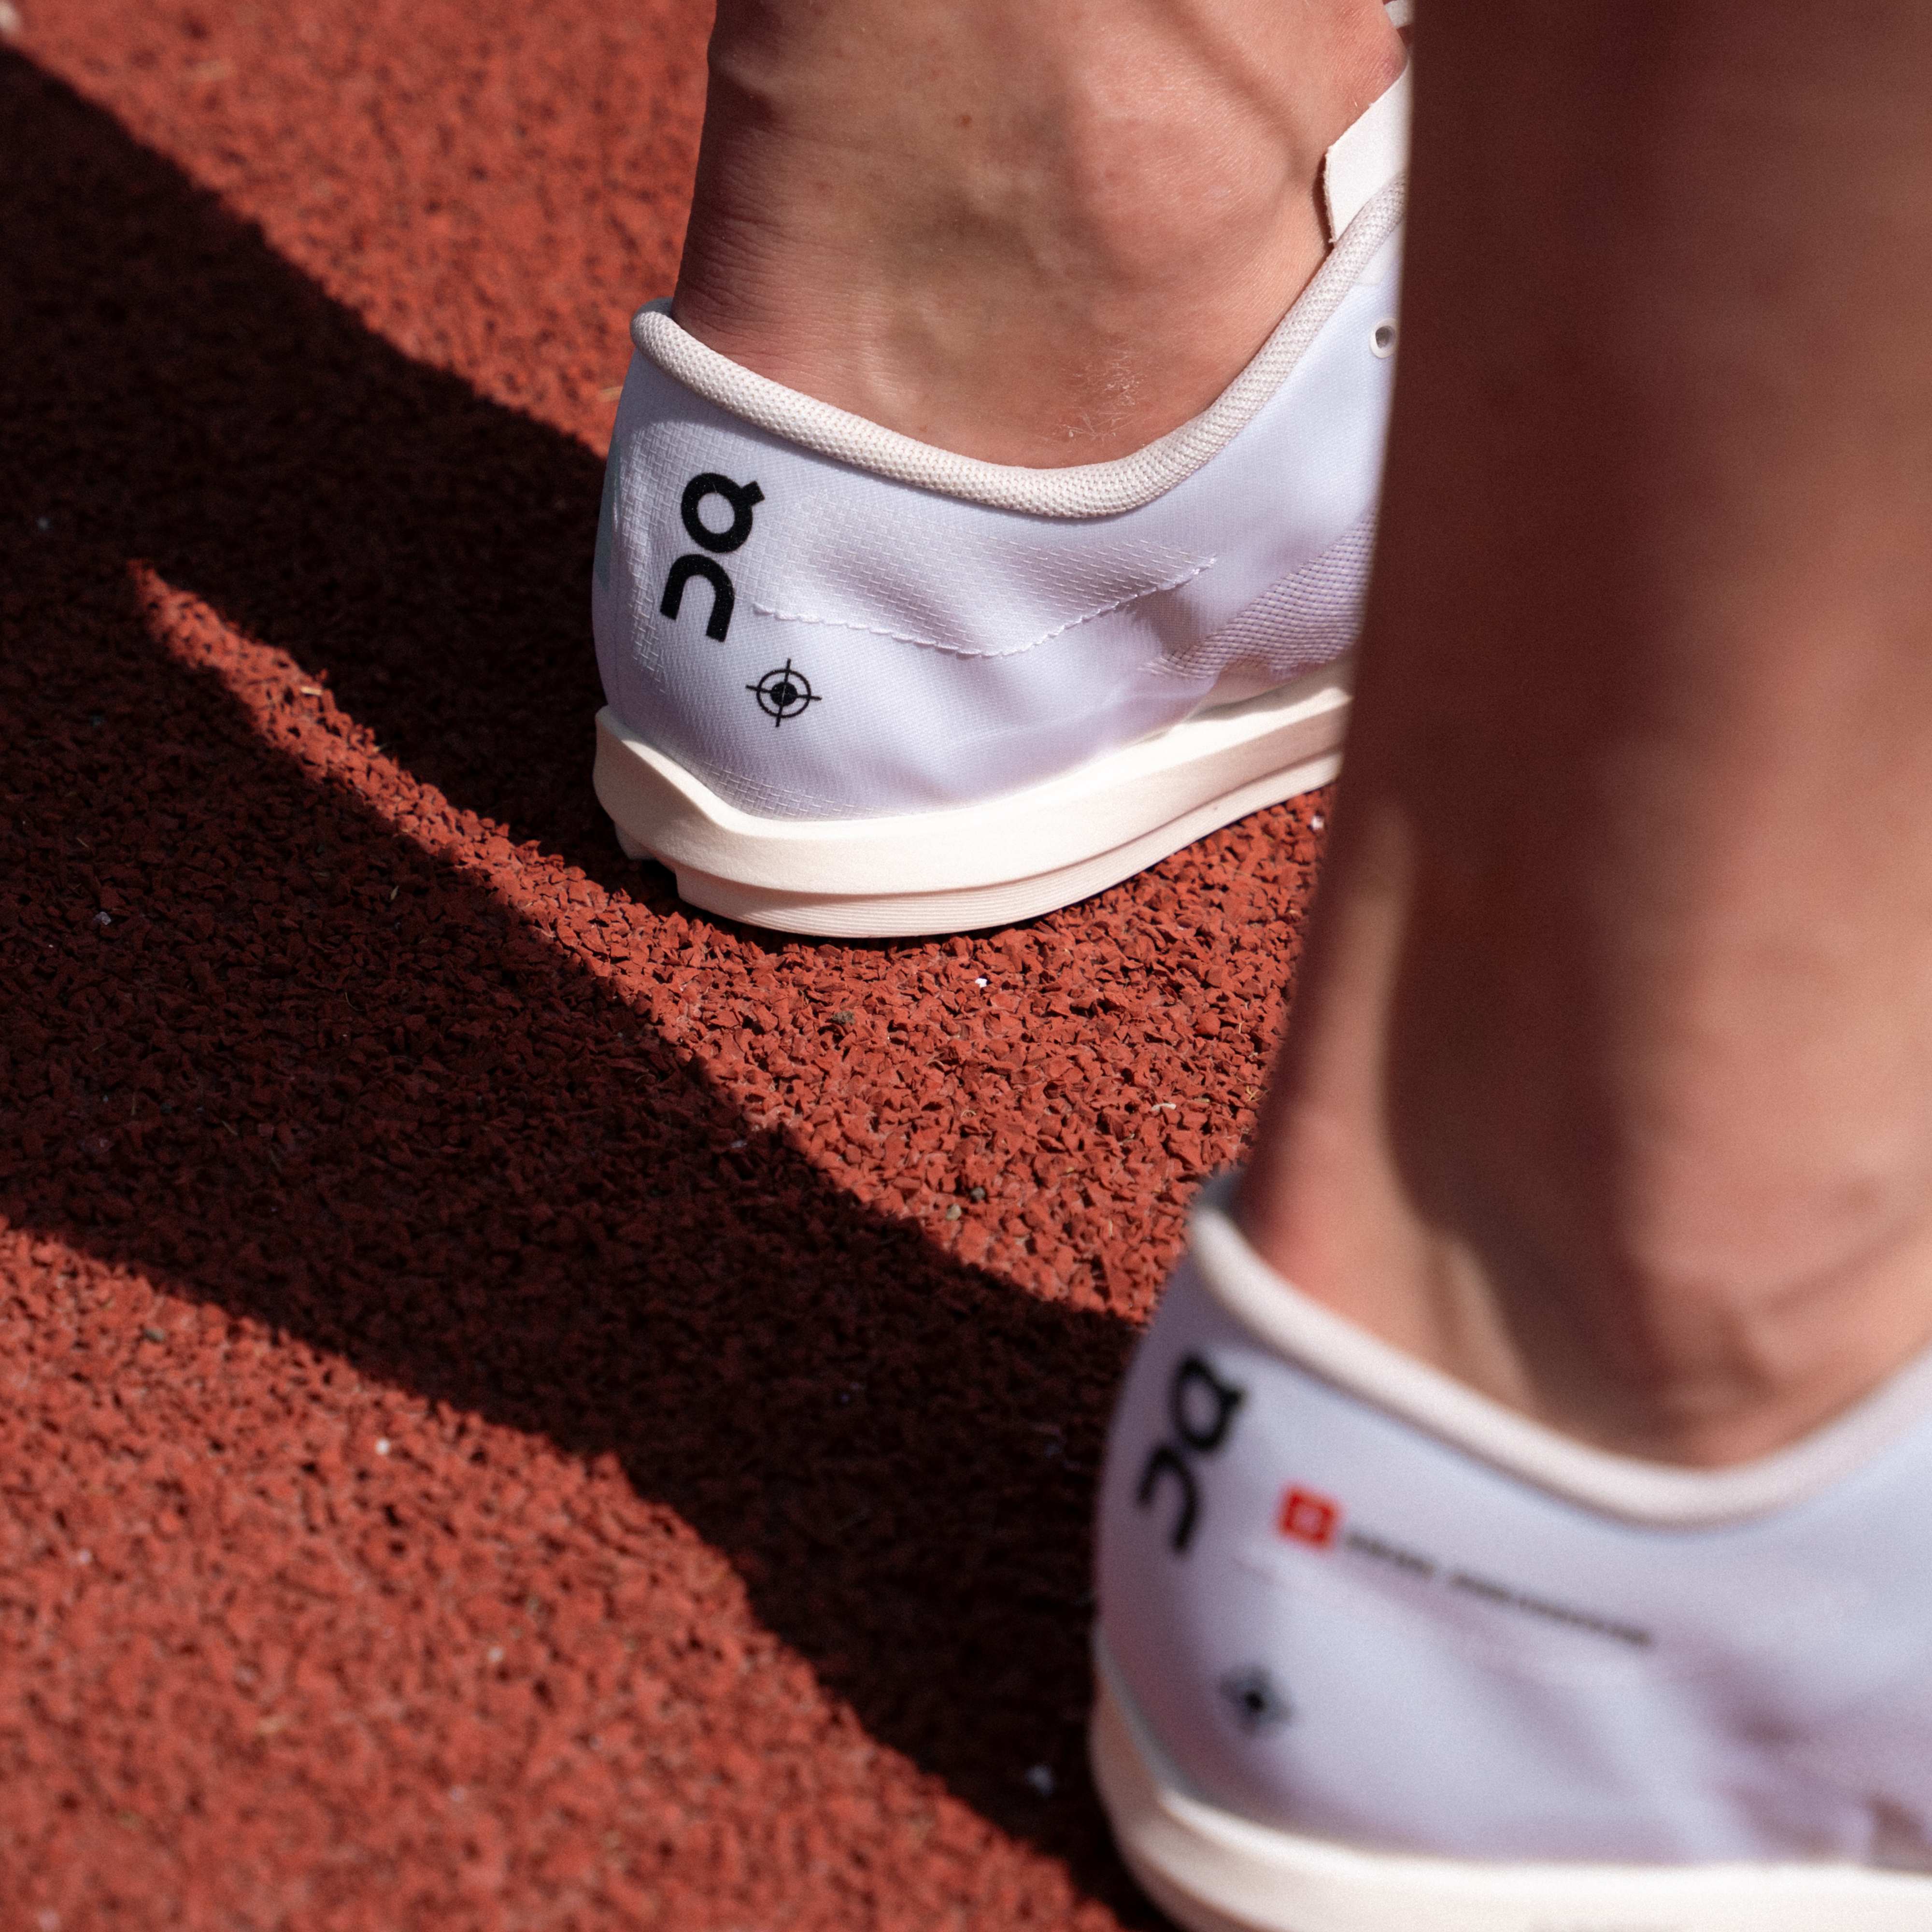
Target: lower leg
1609 1084
1041 235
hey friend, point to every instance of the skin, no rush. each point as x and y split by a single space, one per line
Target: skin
1041 235
1608 1088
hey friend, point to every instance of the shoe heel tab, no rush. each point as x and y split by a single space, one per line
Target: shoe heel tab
1366 158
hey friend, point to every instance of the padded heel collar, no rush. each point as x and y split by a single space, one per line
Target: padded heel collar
1658 1494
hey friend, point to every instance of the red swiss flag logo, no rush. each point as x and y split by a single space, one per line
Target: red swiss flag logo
1309 1518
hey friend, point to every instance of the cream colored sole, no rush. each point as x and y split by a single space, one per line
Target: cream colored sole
987 864
1211 1871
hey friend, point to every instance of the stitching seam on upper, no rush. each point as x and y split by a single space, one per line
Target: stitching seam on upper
961 651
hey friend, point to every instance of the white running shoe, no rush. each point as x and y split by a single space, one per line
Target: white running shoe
859 685
1375 1654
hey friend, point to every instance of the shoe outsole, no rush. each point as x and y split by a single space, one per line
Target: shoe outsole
1212 1871
990 863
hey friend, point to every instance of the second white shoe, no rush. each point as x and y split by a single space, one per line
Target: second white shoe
855 684
1377 1655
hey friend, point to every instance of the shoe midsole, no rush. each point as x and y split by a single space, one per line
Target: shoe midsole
1110 801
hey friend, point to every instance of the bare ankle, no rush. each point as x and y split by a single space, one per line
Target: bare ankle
1677 1240
944 219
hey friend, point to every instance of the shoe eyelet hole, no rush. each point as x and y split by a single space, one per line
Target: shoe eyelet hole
1383 341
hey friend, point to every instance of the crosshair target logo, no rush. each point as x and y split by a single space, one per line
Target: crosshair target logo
784 694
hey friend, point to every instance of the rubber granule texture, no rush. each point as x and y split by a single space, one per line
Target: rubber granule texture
525 1406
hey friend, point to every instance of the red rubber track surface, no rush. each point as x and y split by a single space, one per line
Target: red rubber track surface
524 1406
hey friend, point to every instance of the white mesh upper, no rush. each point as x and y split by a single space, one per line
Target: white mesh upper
1307 619
949 630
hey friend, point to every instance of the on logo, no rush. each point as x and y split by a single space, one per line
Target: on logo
1201 1407
743 499
1309 1518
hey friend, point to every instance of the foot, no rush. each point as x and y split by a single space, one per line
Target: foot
1375 1652
861 685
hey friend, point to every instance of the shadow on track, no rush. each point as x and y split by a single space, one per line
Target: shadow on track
615 1279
